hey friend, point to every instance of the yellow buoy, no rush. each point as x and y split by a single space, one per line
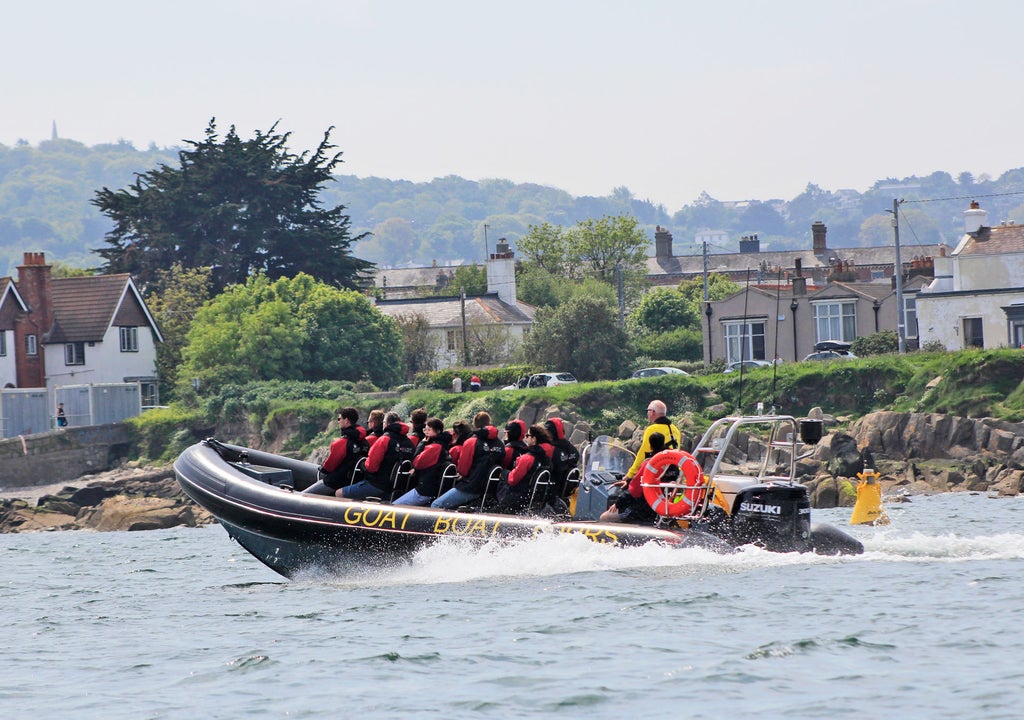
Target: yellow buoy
868 509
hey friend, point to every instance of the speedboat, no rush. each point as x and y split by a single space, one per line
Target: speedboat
257 498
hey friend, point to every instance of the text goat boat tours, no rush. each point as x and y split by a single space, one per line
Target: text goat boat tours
717 498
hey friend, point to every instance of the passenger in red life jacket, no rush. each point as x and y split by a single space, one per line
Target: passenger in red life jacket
480 454
418 419
344 454
564 457
388 450
461 432
515 446
514 493
431 459
374 426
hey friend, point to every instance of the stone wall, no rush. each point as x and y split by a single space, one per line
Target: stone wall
63 455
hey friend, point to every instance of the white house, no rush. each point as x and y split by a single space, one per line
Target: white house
451 319
78 330
977 296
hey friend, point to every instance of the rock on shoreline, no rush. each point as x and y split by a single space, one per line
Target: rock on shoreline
123 499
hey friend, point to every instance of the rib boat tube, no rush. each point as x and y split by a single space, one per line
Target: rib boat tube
253 495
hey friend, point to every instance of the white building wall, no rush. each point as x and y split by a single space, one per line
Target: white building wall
8 367
104 361
981 272
941 318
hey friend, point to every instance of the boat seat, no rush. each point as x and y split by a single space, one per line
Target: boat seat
542 483
400 475
448 477
493 478
358 470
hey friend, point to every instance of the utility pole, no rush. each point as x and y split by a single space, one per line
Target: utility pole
487 247
706 298
901 331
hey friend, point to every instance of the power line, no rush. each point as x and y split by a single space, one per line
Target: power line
965 197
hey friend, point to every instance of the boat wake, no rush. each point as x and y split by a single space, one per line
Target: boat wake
452 561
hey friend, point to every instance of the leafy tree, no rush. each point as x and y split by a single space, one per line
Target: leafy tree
544 247
175 296
582 336
675 345
469 278
245 206
664 309
419 343
598 248
537 286
291 329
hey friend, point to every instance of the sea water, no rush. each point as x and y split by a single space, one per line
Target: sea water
928 623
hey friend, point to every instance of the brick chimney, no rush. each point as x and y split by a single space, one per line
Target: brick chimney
29 330
662 243
750 244
818 231
501 273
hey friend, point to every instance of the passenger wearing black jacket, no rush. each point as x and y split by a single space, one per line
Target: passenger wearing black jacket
428 465
479 455
564 458
344 454
514 494
390 449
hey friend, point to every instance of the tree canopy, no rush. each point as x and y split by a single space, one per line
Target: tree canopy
238 206
291 329
581 336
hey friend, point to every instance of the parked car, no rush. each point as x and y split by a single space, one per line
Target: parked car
747 365
831 350
547 379
656 371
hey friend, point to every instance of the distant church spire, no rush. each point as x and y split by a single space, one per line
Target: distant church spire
53 135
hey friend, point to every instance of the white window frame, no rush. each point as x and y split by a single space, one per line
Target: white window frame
980 324
835 320
910 316
129 335
744 340
74 353
3 343
31 345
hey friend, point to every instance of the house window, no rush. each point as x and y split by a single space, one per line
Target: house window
3 343
31 347
74 353
129 339
835 321
974 335
454 340
910 316
744 341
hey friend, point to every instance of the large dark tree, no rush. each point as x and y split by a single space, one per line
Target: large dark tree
236 206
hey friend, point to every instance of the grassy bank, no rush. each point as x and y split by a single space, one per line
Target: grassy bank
294 417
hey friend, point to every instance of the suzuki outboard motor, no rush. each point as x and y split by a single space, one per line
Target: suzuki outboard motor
774 516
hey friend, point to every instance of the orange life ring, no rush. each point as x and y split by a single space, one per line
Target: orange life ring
673 501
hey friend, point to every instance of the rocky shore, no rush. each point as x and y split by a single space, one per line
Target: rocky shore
128 498
914 453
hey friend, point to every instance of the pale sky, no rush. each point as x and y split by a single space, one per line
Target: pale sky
742 99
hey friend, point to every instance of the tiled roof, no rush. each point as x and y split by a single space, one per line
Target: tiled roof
83 307
447 312
996 240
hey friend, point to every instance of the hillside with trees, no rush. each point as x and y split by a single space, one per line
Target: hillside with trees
47 193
